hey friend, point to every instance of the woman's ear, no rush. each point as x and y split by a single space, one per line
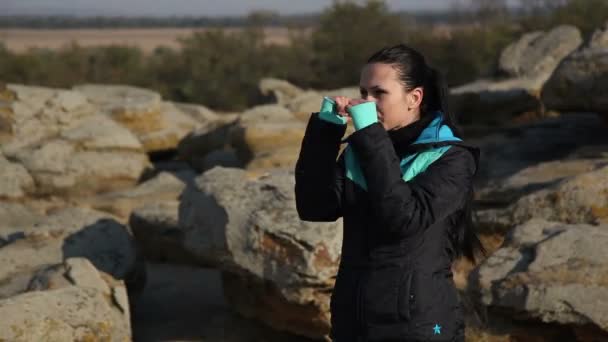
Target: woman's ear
414 97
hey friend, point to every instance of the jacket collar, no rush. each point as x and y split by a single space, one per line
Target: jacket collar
429 129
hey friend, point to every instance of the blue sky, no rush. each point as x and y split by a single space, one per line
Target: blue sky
186 7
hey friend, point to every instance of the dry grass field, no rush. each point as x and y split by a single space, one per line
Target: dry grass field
19 40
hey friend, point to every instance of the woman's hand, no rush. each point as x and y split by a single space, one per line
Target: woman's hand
341 103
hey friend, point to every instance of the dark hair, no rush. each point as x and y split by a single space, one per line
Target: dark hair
415 72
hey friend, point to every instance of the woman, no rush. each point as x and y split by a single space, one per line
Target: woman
403 186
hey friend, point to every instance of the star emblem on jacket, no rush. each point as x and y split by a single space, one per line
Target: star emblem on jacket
437 329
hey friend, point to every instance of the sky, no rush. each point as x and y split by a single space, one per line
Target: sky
187 7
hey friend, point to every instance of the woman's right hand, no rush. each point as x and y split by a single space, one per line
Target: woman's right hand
341 103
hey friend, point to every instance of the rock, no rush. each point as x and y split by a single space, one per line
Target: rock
40 113
283 91
224 158
99 132
529 63
310 101
137 109
493 102
71 232
175 126
582 198
581 80
159 125
164 186
251 229
16 215
548 271
599 39
176 298
536 177
298 101
156 227
262 131
539 53
212 136
67 302
59 140
15 181
200 113
60 167
509 151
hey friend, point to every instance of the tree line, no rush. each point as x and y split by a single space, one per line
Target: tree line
222 69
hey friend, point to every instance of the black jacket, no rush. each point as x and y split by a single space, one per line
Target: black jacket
394 282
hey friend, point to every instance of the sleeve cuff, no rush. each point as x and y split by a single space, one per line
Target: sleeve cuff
328 112
363 114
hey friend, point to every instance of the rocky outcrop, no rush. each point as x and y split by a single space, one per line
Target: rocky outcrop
548 272
581 80
528 64
70 301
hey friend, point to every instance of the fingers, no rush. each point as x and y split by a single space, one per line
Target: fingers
341 103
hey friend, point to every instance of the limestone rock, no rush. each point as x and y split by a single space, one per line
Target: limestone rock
67 302
539 53
71 232
529 63
580 82
59 140
164 186
250 228
16 180
548 271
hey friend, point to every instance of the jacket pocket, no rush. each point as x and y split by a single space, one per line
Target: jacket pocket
405 296
380 293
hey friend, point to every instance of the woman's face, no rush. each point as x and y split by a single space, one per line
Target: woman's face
396 106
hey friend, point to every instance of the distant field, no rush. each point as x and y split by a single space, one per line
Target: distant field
19 40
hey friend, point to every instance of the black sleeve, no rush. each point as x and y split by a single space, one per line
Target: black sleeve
319 178
407 208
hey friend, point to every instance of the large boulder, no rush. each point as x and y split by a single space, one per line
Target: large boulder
277 268
538 53
69 301
548 272
580 82
67 148
528 63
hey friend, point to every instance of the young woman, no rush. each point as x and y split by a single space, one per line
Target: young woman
403 186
